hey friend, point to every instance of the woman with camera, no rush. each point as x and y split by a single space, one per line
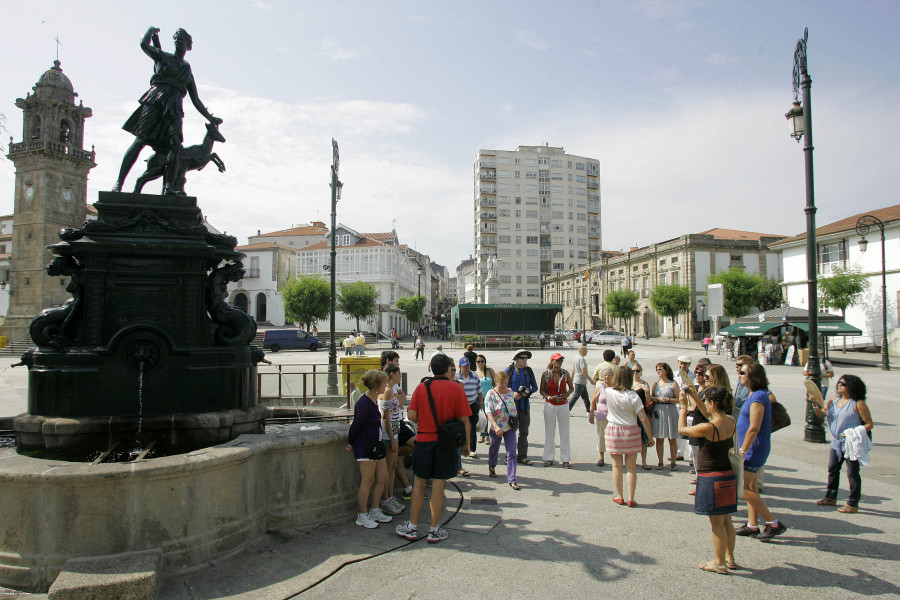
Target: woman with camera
623 436
555 388
716 495
364 440
500 407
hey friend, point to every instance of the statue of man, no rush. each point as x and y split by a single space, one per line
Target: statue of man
157 121
492 267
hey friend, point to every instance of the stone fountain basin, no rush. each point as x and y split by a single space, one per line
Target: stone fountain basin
191 508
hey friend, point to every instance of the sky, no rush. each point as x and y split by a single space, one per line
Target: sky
682 102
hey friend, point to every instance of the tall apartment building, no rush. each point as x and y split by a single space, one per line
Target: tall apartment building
537 209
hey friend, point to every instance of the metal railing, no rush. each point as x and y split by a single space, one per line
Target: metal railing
303 384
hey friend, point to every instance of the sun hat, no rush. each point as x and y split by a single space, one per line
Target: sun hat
684 358
522 352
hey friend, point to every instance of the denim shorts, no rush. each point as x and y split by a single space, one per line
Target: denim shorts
748 468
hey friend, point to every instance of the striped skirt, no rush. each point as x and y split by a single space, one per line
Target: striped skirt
623 439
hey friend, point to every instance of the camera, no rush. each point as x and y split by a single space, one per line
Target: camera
524 392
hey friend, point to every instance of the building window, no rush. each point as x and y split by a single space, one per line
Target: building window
832 255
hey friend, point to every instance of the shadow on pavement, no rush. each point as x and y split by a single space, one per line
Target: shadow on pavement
795 575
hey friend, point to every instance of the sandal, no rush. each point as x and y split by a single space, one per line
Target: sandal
848 509
659 467
548 463
567 465
731 564
620 501
712 567
514 485
525 461
827 502
491 472
463 473
673 467
646 467
600 463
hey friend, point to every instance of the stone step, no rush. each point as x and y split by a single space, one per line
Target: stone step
132 576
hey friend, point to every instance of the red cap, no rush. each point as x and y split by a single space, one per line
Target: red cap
556 356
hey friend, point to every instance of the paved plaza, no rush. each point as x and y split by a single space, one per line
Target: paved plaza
561 536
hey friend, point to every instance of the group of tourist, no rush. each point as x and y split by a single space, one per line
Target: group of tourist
355 344
727 433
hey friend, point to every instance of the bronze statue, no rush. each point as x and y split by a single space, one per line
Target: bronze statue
158 120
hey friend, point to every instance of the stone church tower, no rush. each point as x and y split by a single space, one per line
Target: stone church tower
51 193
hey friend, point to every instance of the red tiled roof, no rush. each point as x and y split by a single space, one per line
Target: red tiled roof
264 246
735 234
363 243
303 230
886 215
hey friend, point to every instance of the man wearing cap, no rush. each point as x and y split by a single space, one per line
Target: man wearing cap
580 378
523 384
472 386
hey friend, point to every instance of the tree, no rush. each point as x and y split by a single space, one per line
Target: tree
622 304
769 295
844 288
670 301
358 300
412 308
306 299
741 291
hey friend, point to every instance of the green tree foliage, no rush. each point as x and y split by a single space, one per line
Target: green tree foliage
671 301
412 308
622 304
306 299
843 289
358 300
769 295
741 291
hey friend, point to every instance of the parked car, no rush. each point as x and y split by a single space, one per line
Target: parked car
589 335
289 339
567 334
607 337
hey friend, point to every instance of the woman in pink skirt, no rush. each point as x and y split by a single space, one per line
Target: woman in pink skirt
623 436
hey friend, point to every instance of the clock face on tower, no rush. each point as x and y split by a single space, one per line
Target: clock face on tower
67 195
29 192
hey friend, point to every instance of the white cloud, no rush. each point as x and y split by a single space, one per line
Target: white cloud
336 51
529 39
717 60
260 5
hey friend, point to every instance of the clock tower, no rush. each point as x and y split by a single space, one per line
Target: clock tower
51 193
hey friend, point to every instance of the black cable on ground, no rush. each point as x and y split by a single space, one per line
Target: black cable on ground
364 558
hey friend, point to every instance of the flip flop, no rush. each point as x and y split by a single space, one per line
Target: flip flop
492 473
659 467
463 473
567 465
515 486
814 392
712 567
647 467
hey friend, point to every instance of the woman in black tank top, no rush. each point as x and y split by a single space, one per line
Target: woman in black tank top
716 495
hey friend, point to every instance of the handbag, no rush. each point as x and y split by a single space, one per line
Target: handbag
780 417
375 450
452 434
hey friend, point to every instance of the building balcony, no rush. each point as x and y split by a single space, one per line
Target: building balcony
545 230
488 241
484 176
488 188
592 184
488 216
487 201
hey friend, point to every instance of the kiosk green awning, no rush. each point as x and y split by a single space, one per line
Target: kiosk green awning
831 328
747 329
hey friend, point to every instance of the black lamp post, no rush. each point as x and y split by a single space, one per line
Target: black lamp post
863 225
336 187
800 119
419 294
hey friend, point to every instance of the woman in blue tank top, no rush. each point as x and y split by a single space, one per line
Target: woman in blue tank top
754 431
846 411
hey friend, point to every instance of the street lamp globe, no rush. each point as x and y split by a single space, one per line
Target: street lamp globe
796 121
338 186
863 244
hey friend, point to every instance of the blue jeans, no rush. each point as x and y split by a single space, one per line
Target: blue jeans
835 460
580 391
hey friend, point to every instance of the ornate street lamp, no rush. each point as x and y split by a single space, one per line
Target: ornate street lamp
336 187
800 118
863 225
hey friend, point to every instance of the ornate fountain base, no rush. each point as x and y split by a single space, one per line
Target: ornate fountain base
147 348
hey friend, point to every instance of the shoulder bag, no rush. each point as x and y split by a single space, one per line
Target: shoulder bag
452 434
780 416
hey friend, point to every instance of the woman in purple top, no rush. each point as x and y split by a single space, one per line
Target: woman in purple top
848 410
365 430
754 431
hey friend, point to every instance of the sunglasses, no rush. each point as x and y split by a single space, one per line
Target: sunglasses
480 361
840 383
636 370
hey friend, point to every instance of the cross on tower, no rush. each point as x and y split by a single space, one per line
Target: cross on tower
56 37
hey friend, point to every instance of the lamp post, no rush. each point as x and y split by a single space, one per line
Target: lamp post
800 119
701 314
419 294
336 187
863 225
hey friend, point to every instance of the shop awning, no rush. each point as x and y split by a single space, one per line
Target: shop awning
745 329
831 328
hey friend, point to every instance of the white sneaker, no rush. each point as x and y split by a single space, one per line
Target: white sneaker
407 531
388 508
437 535
376 515
366 521
399 506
